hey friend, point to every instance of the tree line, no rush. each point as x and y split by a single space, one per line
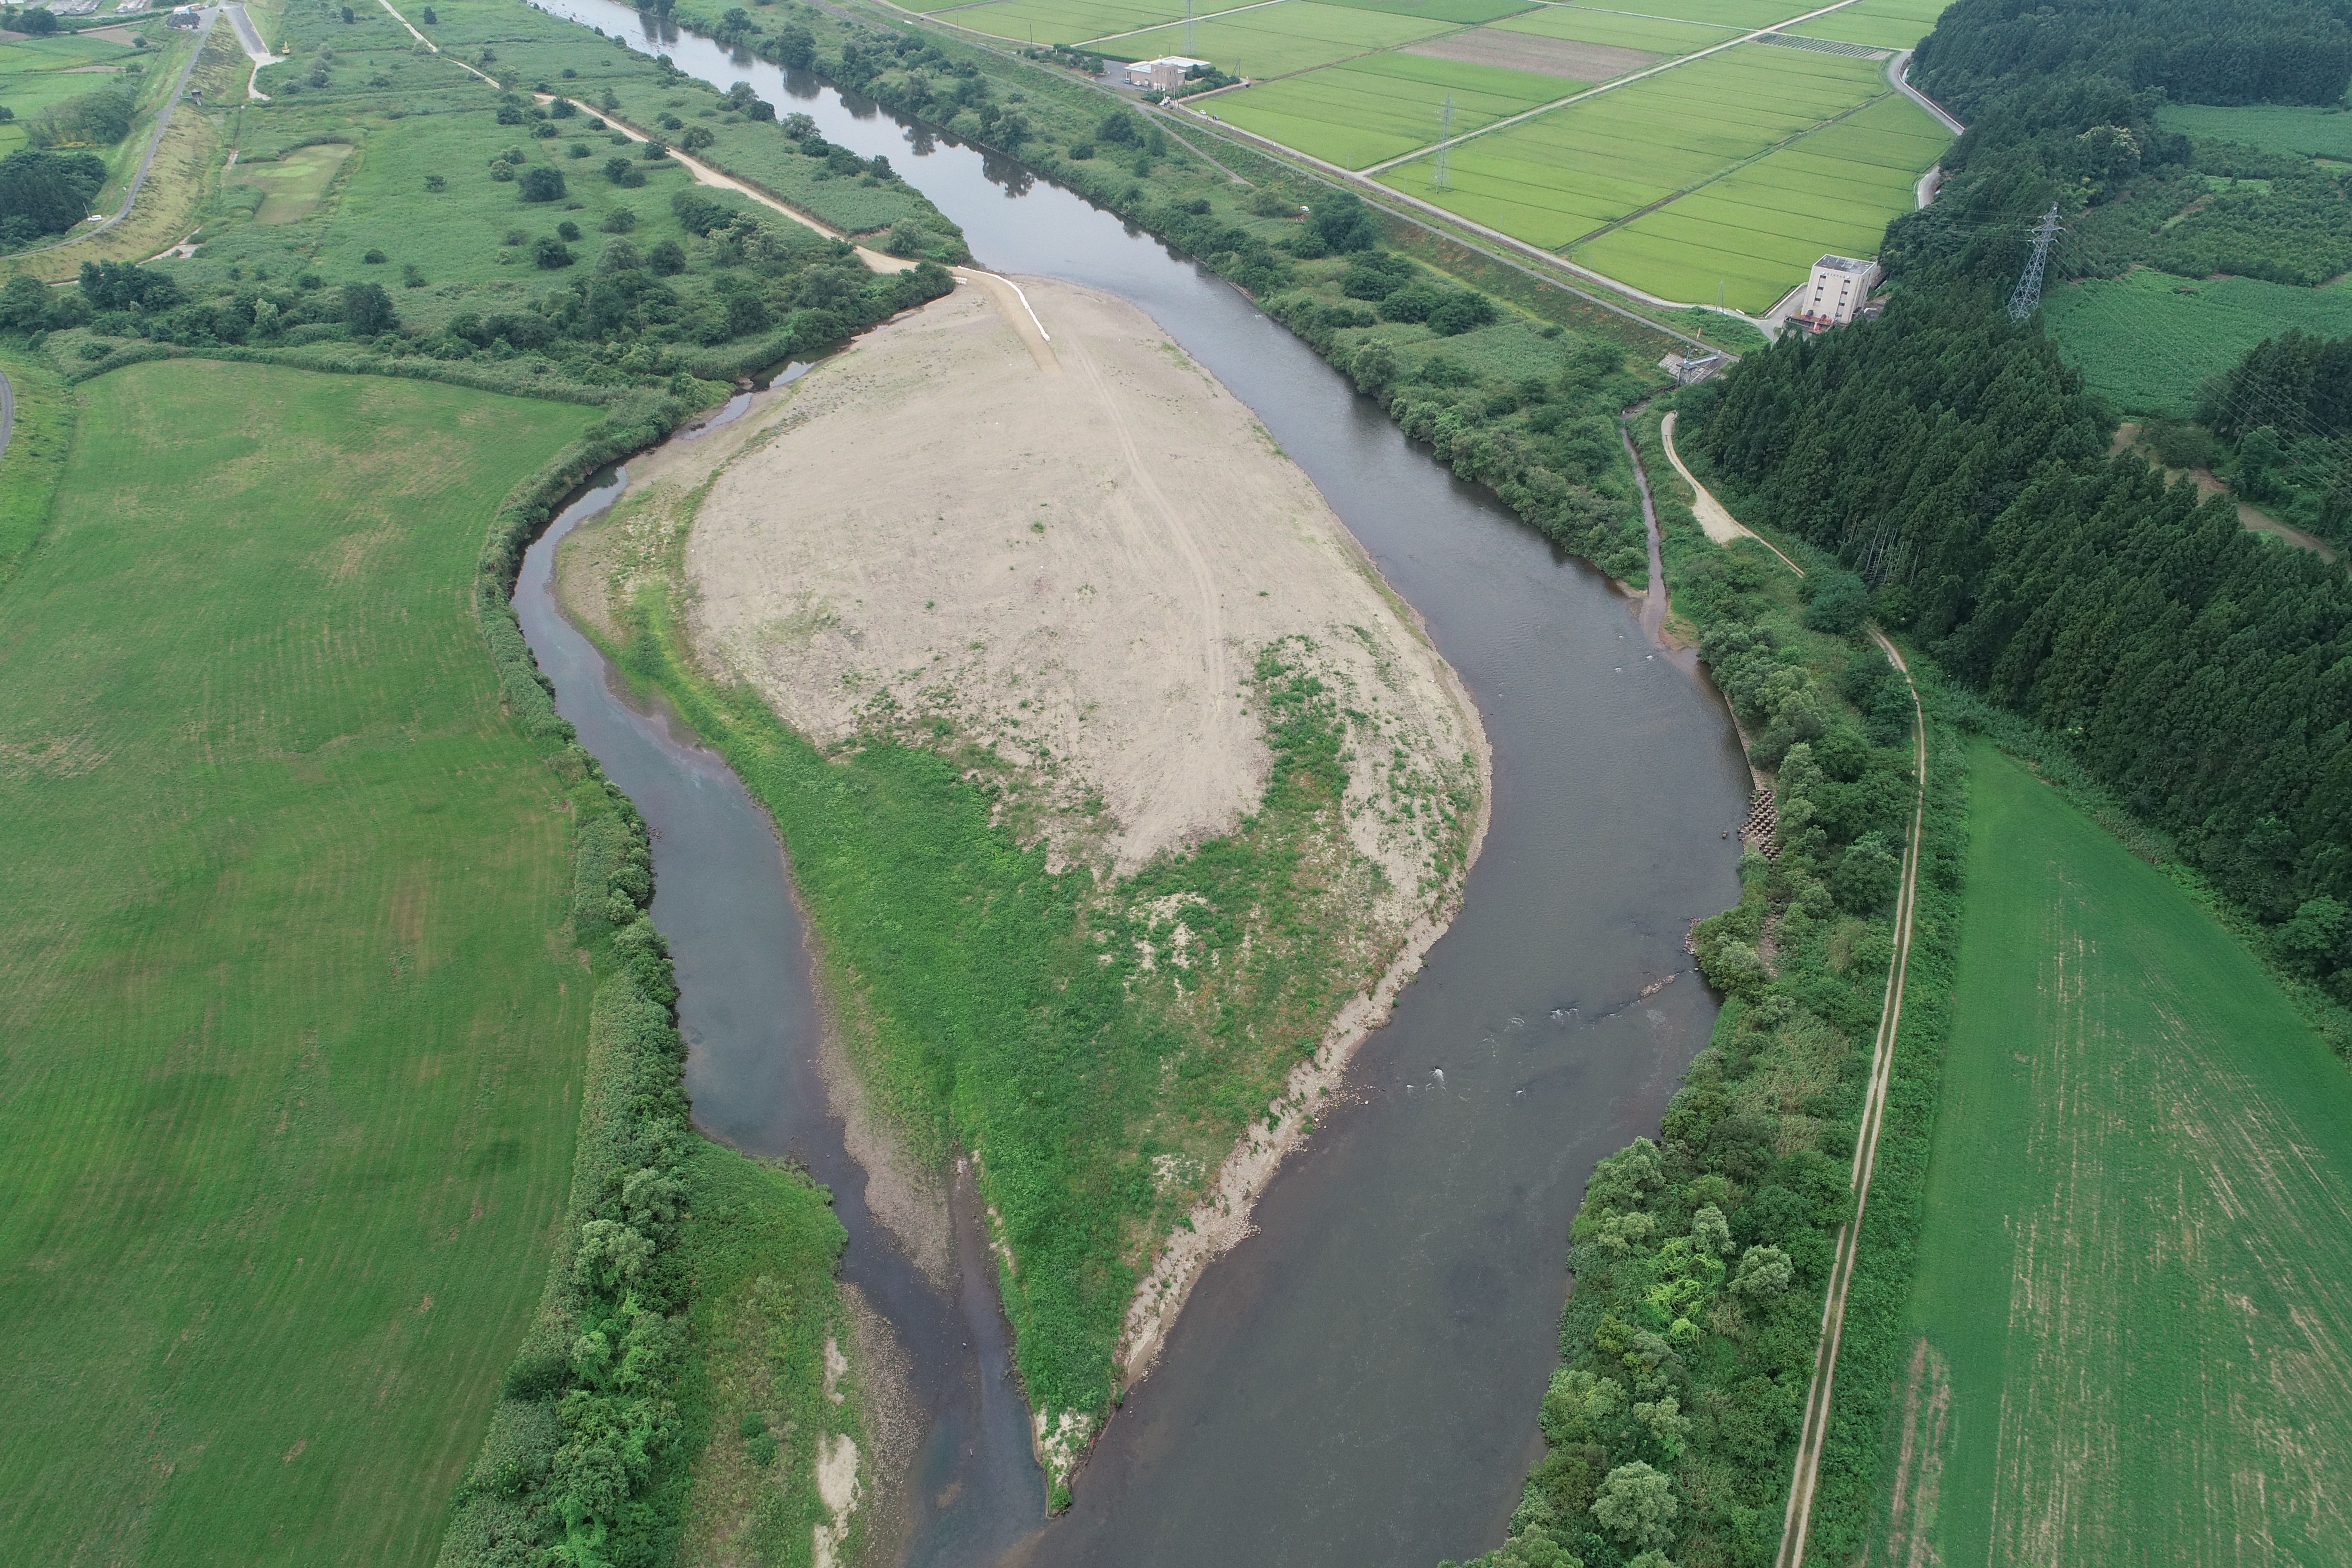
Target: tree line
2202 671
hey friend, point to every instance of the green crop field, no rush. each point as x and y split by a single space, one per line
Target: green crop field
1064 21
2322 133
2135 1285
1464 13
1384 105
1556 178
1753 234
293 1028
2147 340
1882 24
1277 40
1658 34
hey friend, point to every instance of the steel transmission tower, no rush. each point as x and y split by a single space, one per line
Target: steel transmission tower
1441 178
1188 26
2029 286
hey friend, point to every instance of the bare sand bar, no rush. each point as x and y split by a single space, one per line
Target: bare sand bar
1020 518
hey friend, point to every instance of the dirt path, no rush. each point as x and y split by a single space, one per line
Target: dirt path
1713 516
1799 1518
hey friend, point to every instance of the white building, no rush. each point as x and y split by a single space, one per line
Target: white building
1835 294
1165 74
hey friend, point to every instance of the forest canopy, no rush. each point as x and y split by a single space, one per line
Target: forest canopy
44 193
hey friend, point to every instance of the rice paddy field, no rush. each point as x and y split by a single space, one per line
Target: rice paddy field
1385 105
2134 1297
2147 340
1653 147
292 1026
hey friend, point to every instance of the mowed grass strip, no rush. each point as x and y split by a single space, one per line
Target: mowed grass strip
1382 105
1555 178
1752 233
1278 40
2134 1299
2147 340
293 1028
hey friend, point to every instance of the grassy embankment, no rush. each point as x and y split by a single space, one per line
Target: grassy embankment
2127 1335
295 1036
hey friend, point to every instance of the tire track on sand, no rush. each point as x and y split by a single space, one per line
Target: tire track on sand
1212 637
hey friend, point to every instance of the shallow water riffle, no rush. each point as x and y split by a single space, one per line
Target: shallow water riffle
1358 1381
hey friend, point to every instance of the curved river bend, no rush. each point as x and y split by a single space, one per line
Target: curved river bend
1355 1384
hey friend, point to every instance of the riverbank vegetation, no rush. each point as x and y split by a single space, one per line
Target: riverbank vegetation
1699 1260
295 1042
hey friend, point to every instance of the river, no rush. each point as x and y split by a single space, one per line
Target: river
1356 1384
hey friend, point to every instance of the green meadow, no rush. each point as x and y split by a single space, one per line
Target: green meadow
2147 340
293 1024
2136 1280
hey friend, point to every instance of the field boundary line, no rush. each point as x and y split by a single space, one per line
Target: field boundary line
1676 64
1797 1521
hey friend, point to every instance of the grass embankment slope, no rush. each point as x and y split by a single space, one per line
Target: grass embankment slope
1117 984
293 1032
2135 1299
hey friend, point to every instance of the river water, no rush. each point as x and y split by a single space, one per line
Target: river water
1356 1384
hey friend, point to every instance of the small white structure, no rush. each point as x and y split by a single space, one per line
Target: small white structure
1835 294
1165 74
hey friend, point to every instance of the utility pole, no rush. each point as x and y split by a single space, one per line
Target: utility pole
1441 178
2029 286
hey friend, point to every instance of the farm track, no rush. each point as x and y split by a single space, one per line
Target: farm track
1815 1431
1865 1152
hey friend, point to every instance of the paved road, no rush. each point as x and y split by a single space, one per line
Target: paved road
162 123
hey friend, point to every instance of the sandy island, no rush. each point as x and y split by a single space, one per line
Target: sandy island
1077 555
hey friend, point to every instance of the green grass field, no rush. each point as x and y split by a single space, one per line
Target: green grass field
1882 24
2145 341
1660 36
2135 1294
1384 105
1065 21
2322 133
1278 40
36 73
293 1027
